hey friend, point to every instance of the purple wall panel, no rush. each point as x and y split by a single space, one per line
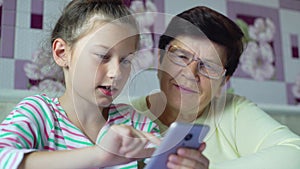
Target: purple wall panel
0 20
9 18
36 21
290 4
295 52
8 41
9 5
8 23
21 80
37 6
294 40
295 46
37 9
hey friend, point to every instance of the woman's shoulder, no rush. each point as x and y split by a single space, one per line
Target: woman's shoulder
235 106
240 106
237 100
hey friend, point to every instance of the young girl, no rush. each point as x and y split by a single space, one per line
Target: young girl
94 42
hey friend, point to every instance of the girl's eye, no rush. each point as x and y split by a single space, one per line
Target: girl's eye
103 56
125 61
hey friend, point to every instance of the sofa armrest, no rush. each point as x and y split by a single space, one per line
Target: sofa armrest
285 114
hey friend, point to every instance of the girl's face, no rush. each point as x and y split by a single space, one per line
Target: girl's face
101 63
186 89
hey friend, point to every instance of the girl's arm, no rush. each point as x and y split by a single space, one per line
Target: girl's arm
121 144
78 158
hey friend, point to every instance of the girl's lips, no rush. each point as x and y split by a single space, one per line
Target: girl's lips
185 89
108 90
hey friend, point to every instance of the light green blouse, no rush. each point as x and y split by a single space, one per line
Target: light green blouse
242 136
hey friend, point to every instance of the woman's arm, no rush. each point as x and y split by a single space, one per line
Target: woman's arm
258 141
261 141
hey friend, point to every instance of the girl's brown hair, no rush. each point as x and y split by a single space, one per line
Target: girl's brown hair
79 16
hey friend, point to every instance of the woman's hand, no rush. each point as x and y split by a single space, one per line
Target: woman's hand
122 144
187 158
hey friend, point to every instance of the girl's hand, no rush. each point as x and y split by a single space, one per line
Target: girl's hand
122 144
187 158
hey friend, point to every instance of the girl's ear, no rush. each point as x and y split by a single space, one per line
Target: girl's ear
59 48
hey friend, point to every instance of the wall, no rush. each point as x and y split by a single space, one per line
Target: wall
25 23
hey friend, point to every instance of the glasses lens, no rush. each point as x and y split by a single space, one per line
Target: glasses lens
210 69
179 56
183 58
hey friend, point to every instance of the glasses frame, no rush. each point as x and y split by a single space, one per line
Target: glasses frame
191 59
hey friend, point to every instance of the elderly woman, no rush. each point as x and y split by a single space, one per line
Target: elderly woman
199 52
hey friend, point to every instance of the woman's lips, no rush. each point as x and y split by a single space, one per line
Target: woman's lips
184 89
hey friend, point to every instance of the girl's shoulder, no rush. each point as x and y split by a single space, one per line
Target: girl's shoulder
121 110
37 106
126 114
120 107
39 101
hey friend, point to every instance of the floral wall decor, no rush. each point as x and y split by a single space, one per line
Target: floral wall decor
42 77
262 59
146 13
296 90
267 72
258 57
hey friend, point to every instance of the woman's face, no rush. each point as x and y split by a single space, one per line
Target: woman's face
101 63
185 88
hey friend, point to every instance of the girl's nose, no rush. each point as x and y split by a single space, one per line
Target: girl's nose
114 71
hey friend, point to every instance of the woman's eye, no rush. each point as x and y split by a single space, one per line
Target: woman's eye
182 57
204 64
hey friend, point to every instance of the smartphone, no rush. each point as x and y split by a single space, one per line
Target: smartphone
178 135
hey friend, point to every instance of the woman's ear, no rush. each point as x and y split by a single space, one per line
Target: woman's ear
59 48
160 56
225 80
222 86
159 60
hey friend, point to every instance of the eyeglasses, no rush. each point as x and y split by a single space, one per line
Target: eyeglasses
183 58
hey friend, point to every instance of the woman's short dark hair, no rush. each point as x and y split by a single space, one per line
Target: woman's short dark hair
205 22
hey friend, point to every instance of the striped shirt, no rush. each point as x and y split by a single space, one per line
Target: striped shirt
40 123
